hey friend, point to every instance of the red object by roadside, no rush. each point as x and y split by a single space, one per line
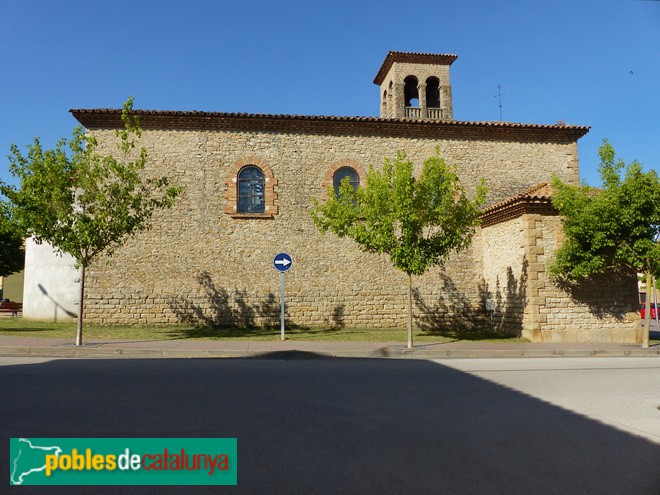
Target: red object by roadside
642 311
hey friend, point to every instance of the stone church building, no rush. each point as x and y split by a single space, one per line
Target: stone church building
249 181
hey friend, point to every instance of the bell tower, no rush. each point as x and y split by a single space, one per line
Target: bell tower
415 86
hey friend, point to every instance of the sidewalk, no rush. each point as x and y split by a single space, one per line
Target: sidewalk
96 348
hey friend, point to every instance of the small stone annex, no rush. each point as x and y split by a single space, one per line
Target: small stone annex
249 180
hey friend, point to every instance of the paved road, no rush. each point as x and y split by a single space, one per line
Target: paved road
362 425
623 393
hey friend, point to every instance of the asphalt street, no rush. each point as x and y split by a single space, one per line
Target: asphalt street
623 393
347 425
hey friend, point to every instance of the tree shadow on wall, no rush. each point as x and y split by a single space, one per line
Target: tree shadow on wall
509 302
596 293
452 314
216 314
337 318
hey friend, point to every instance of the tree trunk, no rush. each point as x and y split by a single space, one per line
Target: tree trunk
647 317
81 300
410 334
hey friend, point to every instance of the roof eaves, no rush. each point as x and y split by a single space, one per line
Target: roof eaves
537 199
412 57
175 119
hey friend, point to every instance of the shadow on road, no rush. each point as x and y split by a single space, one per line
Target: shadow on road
336 425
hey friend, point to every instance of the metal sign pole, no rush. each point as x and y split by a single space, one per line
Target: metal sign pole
655 300
282 262
282 299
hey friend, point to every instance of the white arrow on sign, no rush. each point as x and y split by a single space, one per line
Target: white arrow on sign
284 262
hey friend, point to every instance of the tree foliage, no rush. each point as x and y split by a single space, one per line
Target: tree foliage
12 253
83 202
615 227
418 222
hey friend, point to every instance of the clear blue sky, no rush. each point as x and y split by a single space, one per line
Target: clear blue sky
585 62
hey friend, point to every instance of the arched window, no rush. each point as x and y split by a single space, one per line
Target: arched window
343 172
410 91
433 92
390 105
250 189
250 197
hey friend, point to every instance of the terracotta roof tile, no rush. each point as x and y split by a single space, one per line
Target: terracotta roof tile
537 199
412 57
538 192
110 118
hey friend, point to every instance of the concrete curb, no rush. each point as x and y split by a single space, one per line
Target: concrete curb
383 353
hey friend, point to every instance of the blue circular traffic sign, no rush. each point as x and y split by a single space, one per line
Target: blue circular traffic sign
282 262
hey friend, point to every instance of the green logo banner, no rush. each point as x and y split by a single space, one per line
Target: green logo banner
123 461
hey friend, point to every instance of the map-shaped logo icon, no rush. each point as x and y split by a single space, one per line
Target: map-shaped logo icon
29 459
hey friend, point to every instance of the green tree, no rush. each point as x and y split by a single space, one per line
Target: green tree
418 222
12 253
615 227
85 203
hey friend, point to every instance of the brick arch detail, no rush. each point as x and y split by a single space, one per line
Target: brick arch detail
327 180
231 189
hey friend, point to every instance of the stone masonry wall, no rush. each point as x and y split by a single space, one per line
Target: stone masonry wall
505 274
529 303
393 85
601 310
201 264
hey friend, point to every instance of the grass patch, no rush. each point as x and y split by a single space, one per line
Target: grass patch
27 328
